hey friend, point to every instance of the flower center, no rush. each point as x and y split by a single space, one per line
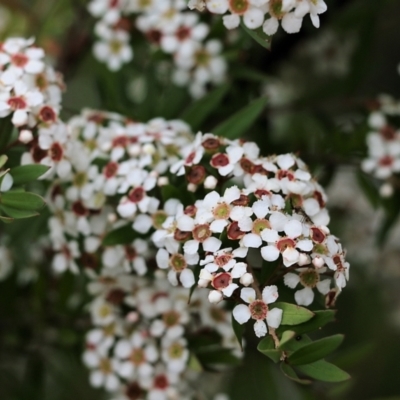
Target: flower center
183 33
47 114
202 58
80 179
386 161
317 235
246 165
259 225
201 233
175 351
234 232
137 357
170 318
17 103
285 243
211 144
116 296
196 174
79 209
238 6
136 195
181 236
275 8
110 169
258 310
130 253
222 280
161 382
105 366
285 174
115 46
388 132
223 259
19 60
219 160
56 152
309 278
159 218
221 211
178 262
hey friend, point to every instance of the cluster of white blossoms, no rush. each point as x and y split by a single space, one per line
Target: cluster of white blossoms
30 91
139 346
169 26
270 206
265 14
383 140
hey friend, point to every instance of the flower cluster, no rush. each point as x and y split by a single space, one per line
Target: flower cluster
170 27
278 213
265 14
30 91
144 352
383 141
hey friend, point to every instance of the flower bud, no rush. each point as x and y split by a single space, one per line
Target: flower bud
304 259
246 279
25 136
318 262
210 182
386 190
162 181
215 296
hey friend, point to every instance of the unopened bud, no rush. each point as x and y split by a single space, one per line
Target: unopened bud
246 279
132 317
304 259
25 136
386 190
191 187
215 296
162 181
112 217
210 182
149 149
318 262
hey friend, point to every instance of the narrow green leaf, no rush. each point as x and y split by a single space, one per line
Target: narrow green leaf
27 173
6 129
17 213
287 336
238 329
315 351
194 364
201 109
237 124
22 200
259 36
5 219
291 374
292 314
123 235
324 371
3 160
320 319
217 356
267 347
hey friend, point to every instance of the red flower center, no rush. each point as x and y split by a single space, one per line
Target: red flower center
19 60
56 152
219 160
17 103
136 195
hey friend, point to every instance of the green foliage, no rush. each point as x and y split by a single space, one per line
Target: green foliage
27 173
293 314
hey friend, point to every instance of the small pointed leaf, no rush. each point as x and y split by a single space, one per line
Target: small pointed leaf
22 200
17 213
238 124
3 160
324 371
287 336
292 314
291 374
316 351
199 111
267 347
27 173
259 36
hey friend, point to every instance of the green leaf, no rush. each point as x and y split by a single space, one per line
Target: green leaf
320 319
194 364
259 36
199 110
22 200
123 235
7 220
324 371
267 347
6 129
217 356
287 336
27 173
237 125
238 329
292 314
17 213
291 374
3 160
316 350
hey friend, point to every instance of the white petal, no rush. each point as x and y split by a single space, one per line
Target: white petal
291 280
269 253
231 194
260 328
270 294
304 297
293 228
191 246
324 286
248 295
241 313
230 289
274 317
261 208
252 240
185 223
211 244
162 258
270 235
305 245
187 278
